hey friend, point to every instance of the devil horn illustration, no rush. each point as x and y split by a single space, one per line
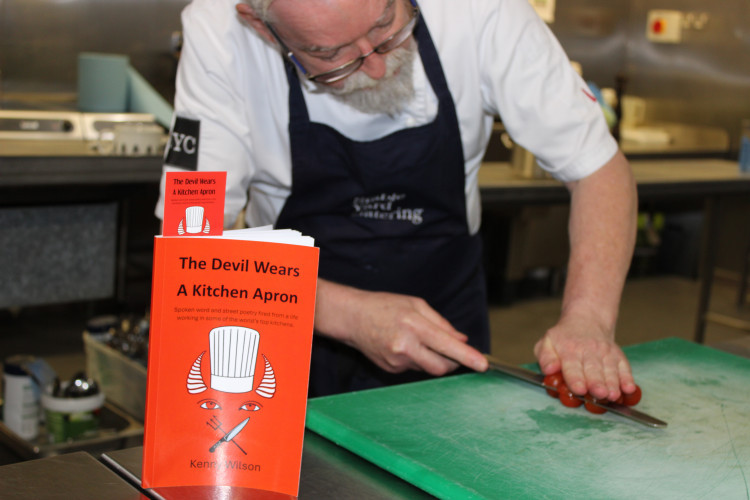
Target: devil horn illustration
195 384
267 386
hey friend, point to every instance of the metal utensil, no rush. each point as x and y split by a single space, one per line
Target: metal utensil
80 386
538 379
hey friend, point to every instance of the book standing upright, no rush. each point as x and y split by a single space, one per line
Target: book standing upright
229 357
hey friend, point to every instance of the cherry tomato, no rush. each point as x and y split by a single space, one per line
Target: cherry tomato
553 380
591 407
567 398
633 398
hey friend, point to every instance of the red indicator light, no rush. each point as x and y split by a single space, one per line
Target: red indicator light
658 26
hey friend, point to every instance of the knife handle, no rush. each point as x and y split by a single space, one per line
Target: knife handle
213 448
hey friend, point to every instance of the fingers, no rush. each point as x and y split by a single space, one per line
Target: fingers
440 348
547 357
573 373
589 363
450 348
400 333
627 384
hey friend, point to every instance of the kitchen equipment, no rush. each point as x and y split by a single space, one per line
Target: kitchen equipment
745 147
75 414
121 378
68 133
138 139
103 82
538 379
21 395
40 125
80 386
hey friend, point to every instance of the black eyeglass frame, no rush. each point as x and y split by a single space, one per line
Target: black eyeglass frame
347 69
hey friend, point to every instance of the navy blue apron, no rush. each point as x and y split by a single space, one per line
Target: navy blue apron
388 215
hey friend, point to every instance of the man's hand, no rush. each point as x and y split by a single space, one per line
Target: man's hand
602 230
396 332
587 356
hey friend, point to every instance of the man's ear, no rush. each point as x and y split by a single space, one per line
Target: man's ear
248 14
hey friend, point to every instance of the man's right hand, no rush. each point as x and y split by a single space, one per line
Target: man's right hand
396 332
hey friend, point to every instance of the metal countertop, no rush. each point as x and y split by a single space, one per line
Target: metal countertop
75 475
328 471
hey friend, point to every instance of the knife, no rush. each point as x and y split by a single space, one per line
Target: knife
230 435
538 379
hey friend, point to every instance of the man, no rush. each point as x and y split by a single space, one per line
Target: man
367 134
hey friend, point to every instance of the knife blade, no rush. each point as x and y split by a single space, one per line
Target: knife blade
538 379
230 435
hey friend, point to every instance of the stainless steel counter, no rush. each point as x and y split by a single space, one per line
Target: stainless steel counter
328 471
35 170
76 475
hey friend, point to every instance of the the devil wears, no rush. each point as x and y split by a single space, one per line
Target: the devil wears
229 357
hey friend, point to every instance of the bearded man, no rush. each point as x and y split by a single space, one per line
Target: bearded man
363 123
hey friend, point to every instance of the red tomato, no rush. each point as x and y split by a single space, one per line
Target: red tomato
591 407
567 398
553 380
633 398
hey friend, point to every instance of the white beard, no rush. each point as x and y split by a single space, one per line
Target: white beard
388 95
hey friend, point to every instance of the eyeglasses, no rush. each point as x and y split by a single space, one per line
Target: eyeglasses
341 72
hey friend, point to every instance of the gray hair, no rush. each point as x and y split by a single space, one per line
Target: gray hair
260 7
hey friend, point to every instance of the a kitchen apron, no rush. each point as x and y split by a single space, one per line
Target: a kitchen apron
388 215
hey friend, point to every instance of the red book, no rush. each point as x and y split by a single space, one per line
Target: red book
229 360
194 203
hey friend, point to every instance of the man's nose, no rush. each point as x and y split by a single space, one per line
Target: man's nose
374 65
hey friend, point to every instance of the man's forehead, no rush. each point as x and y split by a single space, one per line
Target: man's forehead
283 10
326 25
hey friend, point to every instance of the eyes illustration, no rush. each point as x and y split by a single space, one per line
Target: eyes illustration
210 404
251 406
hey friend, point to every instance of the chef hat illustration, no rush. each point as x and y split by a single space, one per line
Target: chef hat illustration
194 219
233 351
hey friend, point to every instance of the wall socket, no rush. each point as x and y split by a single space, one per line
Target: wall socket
664 26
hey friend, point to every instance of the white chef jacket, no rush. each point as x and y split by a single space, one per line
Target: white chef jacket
499 59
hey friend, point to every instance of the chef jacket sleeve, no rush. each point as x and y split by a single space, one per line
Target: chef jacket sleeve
207 101
544 104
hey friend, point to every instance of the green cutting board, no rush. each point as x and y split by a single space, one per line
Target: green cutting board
491 436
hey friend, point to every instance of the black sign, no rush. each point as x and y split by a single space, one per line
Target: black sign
182 149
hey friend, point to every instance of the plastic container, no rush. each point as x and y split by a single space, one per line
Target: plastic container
21 397
122 379
72 418
745 147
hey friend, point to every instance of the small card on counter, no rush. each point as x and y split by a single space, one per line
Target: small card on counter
194 203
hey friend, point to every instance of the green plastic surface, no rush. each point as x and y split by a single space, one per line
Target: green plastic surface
491 436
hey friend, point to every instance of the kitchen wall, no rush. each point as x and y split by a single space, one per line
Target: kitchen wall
40 40
705 80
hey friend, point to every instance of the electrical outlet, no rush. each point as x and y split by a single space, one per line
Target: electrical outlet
664 26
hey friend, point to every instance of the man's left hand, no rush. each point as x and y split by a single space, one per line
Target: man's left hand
590 360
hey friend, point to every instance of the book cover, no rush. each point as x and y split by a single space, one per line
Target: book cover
229 358
194 203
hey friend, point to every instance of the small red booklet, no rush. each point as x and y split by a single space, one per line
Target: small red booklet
229 359
194 203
